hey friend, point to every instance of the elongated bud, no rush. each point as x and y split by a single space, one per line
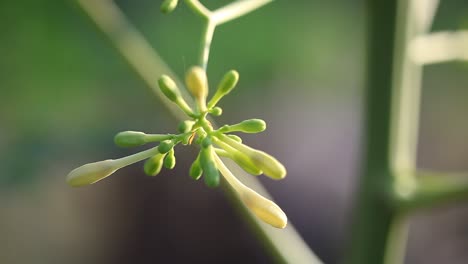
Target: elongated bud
196 170
263 208
91 173
169 88
210 172
198 85
168 6
226 85
170 160
245 163
269 165
239 158
185 126
246 126
165 146
154 164
130 139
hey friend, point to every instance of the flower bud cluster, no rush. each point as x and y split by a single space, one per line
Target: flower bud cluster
213 143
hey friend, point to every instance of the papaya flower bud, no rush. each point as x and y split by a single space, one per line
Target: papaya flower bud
260 206
210 172
169 88
197 84
269 165
130 139
196 170
154 164
185 126
171 91
91 173
216 111
165 146
170 160
247 126
168 6
226 85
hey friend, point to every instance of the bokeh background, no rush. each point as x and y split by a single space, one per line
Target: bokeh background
65 92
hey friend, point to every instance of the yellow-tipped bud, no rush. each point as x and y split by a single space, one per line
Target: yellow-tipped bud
198 85
269 165
91 173
226 85
169 88
168 6
245 163
154 164
263 208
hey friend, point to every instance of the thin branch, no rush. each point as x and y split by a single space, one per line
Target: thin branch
431 189
236 9
198 8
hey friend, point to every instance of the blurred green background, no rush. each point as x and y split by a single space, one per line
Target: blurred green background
65 92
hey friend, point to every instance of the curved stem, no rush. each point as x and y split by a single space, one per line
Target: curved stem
205 43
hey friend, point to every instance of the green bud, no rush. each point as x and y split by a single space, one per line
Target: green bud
211 174
91 173
226 85
170 160
246 126
168 6
185 126
196 170
165 146
130 139
216 111
269 165
154 164
169 88
206 142
245 163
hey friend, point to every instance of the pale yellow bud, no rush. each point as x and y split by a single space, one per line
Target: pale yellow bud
198 85
91 173
263 208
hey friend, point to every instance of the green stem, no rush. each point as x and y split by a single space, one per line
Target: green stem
198 8
374 216
236 9
433 189
205 43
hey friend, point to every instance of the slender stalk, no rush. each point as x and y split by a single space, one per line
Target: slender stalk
286 245
205 43
373 216
236 9
198 8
